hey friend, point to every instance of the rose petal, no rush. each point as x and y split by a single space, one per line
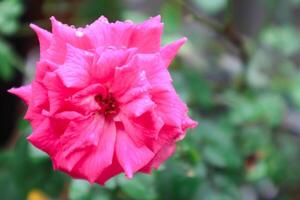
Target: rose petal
169 51
74 72
101 156
44 38
78 139
44 139
24 92
73 36
131 157
147 35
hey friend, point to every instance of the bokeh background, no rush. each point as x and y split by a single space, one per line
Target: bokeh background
239 74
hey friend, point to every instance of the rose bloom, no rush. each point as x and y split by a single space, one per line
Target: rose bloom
102 101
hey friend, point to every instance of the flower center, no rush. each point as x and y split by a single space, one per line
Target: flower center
108 105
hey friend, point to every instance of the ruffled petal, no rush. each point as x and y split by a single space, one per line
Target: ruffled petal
73 36
147 35
156 72
131 157
44 38
169 51
68 115
103 33
24 92
74 71
57 93
103 70
37 104
143 130
138 106
129 82
101 156
110 171
159 158
170 107
78 140
44 139
85 98
56 53
44 66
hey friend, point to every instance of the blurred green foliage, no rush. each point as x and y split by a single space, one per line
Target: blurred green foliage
247 145
10 11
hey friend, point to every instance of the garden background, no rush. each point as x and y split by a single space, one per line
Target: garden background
239 73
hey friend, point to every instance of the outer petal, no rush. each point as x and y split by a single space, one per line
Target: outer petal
131 157
101 156
143 130
77 141
23 92
163 155
116 34
160 157
56 52
110 171
44 38
44 139
37 104
170 107
156 73
96 32
166 136
169 51
73 36
147 36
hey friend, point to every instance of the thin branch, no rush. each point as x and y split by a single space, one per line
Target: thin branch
226 30
212 24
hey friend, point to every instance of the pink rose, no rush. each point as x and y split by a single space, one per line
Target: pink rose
102 101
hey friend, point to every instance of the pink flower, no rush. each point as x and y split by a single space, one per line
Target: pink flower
102 101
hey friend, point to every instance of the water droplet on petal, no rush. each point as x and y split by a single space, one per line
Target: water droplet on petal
79 33
143 75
